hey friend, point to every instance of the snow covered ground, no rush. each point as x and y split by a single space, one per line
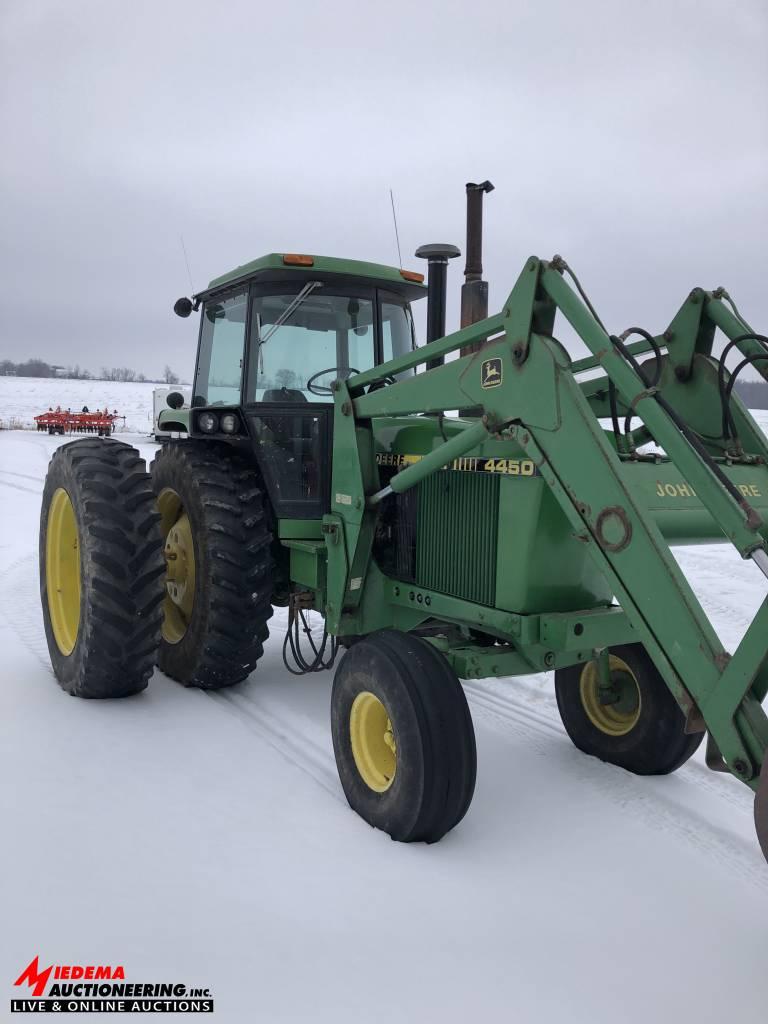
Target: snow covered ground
204 838
22 398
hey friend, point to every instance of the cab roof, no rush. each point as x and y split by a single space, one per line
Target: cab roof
274 268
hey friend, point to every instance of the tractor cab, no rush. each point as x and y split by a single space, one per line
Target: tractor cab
274 336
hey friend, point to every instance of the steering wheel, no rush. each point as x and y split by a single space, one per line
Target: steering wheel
322 389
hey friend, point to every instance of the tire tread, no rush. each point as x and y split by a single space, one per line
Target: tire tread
237 542
119 529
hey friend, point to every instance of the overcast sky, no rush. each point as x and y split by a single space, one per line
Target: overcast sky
630 137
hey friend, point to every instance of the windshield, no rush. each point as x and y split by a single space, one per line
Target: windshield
296 353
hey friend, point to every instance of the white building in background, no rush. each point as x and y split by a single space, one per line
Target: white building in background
159 403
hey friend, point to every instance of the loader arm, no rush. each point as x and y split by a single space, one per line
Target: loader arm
526 385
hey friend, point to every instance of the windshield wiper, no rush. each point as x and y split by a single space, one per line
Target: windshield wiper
287 313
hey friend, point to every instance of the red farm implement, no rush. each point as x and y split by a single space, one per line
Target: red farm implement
67 422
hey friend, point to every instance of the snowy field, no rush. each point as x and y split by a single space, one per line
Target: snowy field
22 398
204 839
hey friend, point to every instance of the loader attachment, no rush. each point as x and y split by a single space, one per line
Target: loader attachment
676 425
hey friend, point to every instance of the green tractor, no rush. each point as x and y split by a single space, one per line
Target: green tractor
500 512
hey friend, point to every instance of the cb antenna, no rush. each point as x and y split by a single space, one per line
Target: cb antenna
397 236
186 260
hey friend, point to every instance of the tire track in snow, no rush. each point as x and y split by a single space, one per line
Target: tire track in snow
645 801
721 785
22 476
296 747
20 487
20 605
512 711
641 796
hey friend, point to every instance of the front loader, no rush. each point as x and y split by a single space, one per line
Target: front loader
500 512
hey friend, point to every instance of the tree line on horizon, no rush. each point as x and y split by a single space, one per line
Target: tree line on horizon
754 393
40 368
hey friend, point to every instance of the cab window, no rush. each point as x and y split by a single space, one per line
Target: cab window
220 362
397 334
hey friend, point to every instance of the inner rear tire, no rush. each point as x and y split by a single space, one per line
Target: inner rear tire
643 731
403 737
101 569
214 636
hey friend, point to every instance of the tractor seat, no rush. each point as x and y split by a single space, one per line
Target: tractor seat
284 395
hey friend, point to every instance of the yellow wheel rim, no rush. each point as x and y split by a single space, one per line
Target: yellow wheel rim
373 742
179 566
622 715
62 571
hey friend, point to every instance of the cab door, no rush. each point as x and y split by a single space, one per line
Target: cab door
294 355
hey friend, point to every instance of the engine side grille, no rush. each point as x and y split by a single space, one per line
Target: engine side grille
456 536
405 546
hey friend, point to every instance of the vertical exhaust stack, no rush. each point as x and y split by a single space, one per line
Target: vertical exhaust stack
437 254
474 291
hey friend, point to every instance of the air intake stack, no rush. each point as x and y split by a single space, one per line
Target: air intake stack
437 254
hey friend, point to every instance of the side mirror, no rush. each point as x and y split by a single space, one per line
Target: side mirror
175 399
182 306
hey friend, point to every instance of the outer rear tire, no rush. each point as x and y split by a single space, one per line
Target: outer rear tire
650 741
115 557
425 789
226 626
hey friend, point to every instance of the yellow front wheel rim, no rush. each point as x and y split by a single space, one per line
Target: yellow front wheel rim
62 571
622 715
180 566
373 742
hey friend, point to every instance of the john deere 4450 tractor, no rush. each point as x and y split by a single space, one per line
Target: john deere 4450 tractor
500 512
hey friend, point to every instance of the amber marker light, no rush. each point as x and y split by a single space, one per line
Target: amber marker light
295 259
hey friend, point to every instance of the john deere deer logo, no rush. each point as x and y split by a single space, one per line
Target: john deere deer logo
490 373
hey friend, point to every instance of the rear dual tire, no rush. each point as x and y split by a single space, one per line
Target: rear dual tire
108 566
101 569
218 546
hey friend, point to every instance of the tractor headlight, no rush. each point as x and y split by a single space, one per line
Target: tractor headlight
229 423
208 422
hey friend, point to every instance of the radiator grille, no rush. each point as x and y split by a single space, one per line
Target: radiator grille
457 527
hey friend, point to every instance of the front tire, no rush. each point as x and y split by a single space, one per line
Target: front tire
638 727
219 577
101 569
403 737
